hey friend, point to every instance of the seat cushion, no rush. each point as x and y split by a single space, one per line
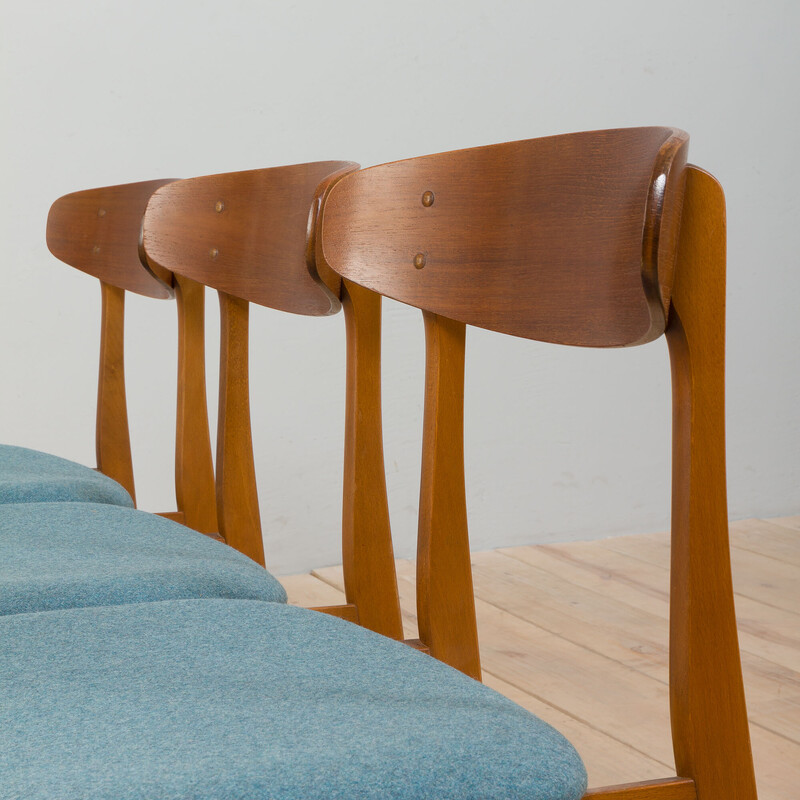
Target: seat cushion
30 476
65 555
243 700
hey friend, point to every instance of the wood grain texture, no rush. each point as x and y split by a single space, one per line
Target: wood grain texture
98 231
237 497
367 553
709 718
194 469
445 602
567 239
245 234
666 789
112 438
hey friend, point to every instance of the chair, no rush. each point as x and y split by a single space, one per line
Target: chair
602 239
68 534
98 232
312 706
246 235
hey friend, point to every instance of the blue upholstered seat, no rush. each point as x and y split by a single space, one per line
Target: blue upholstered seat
65 555
30 476
243 700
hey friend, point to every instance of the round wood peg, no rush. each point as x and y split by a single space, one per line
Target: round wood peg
419 260
428 198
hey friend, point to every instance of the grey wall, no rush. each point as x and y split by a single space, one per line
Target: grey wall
561 443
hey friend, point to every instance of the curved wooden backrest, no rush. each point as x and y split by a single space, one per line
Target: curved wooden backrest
245 234
567 239
98 231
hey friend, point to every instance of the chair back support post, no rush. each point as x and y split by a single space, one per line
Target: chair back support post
237 497
113 443
709 718
445 600
194 468
370 578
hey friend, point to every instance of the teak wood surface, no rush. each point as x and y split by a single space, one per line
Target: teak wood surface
445 604
588 239
709 718
112 437
566 239
245 234
237 494
367 553
194 469
98 232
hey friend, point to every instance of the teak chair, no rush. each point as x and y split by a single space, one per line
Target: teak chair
250 236
98 232
603 239
76 541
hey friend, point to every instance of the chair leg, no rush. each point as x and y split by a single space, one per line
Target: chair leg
709 718
370 579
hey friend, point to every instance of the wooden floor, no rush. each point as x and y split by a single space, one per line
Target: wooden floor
577 633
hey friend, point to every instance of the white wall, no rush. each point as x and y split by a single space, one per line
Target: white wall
561 443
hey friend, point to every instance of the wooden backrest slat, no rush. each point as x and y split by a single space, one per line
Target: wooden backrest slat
245 234
194 468
561 239
237 493
445 604
98 231
367 554
112 435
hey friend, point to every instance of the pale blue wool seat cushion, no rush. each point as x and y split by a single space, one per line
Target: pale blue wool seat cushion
242 700
30 476
66 555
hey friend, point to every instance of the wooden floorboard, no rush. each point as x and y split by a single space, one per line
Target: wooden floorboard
577 634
